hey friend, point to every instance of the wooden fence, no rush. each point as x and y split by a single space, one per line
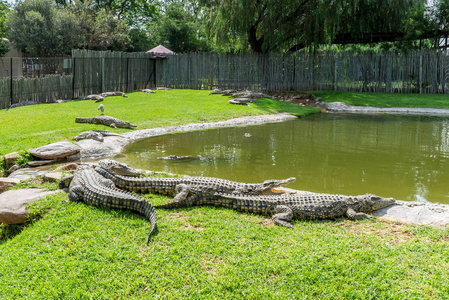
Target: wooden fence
412 72
93 72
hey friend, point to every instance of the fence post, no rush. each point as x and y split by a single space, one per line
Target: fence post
420 73
127 74
11 86
73 77
102 74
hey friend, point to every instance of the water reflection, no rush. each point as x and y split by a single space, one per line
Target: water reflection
400 156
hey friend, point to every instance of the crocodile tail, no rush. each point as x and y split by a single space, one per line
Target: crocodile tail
149 212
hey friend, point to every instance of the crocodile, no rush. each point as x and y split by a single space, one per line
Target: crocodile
285 207
190 189
106 120
97 135
88 186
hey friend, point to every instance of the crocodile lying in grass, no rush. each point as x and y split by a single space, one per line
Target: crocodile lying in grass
97 135
285 207
88 186
106 120
190 189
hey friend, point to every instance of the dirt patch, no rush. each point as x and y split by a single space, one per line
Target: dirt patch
389 232
268 223
184 219
210 264
302 99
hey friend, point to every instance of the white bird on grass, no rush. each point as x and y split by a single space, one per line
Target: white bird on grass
101 108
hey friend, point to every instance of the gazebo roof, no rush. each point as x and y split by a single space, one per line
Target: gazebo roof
160 50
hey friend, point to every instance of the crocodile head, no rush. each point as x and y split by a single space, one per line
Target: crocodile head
118 167
377 202
269 186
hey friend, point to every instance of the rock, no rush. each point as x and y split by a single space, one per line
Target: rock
67 167
6 182
53 176
11 158
27 173
12 204
37 163
421 213
163 88
55 150
148 91
12 169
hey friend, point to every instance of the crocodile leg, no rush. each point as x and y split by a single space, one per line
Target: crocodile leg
353 215
283 215
76 194
182 191
65 181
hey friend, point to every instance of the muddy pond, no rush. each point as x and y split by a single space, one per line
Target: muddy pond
405 157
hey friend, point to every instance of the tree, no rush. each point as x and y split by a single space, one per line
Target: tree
40 29
266 25
4 9
133 12
178 30
99 29
139 41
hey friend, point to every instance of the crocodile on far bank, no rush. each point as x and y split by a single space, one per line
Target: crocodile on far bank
106 120
88 186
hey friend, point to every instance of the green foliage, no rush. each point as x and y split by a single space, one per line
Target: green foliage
139 41
99 29
4 10
40 29
178 30
24 158
280 25
4 47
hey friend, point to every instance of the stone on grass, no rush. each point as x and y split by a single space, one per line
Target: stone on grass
12 204
52 176
55 150
37 163
11 158
67 167
6 182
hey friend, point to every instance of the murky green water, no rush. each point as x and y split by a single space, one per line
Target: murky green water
405 157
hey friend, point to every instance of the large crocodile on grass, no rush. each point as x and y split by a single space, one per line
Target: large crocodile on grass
190 189
106 120
91 188
285 207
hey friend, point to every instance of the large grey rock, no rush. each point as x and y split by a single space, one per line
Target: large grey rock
12 204
422 213
345 108
55 150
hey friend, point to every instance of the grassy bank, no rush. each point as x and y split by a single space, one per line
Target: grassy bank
385 99
75 251
27 127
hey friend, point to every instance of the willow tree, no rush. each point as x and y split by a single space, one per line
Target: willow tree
266 25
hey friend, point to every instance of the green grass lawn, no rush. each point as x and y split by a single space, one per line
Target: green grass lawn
385 99
27 127
75 251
